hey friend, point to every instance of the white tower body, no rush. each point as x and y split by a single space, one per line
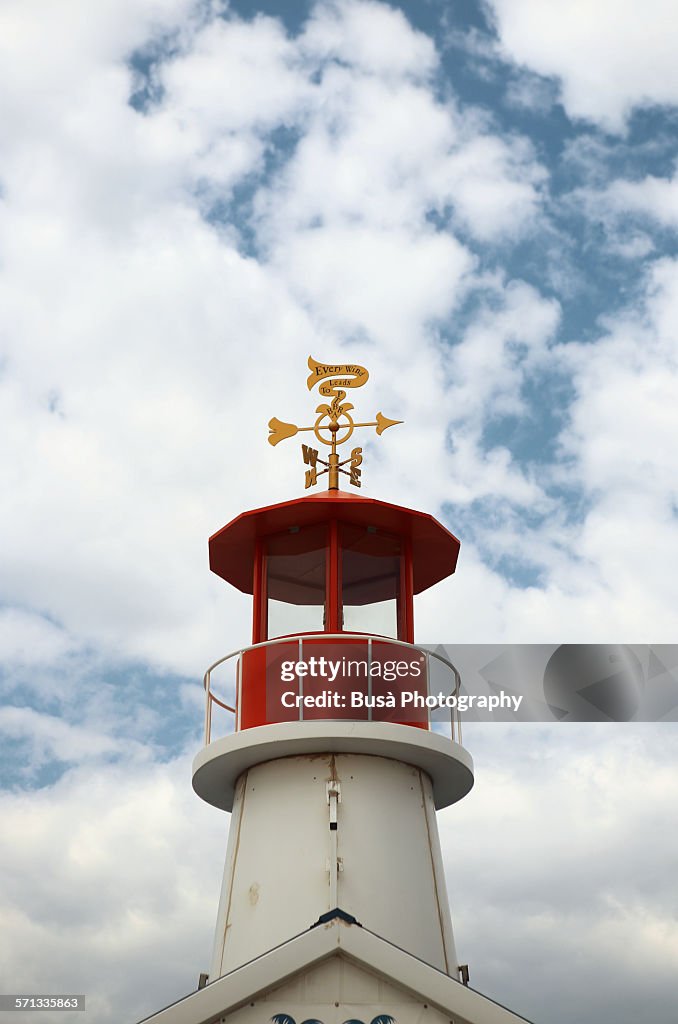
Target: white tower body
341 827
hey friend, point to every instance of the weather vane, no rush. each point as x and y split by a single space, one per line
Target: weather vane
334 424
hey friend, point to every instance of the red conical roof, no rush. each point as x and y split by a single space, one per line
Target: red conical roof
434 548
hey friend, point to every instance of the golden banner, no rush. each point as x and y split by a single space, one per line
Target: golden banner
343 375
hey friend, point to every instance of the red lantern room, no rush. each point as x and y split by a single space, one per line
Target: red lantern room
333 562
331 574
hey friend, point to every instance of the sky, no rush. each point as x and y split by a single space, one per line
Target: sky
476 200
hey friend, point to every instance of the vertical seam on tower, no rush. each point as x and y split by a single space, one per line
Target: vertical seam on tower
235 860
333 895
433 872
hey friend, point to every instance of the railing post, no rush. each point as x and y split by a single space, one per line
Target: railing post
453 715
238 692
301 681
208 710
458 677
369 679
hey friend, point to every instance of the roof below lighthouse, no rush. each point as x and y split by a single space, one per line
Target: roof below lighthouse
434 549
336 970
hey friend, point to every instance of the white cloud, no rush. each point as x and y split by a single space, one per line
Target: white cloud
28 639
494 185
333 272
530 92
604 575
233 82
623 419
622 425
104 869
51 738
223 80
608 57
358 162
567 875
621 204
655 197
372 37
506 339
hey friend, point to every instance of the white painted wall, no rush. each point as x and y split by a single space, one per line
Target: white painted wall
285 866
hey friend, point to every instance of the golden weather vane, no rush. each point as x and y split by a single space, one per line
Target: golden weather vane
334 419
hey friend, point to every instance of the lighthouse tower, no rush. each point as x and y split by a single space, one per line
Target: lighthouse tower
333 905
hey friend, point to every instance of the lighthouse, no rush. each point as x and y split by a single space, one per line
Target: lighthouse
328 752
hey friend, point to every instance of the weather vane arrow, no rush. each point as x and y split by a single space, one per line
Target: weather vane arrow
334 424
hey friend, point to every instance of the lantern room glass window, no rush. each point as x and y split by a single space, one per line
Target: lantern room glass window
370 580
296 581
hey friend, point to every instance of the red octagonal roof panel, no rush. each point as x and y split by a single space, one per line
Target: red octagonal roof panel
434 548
